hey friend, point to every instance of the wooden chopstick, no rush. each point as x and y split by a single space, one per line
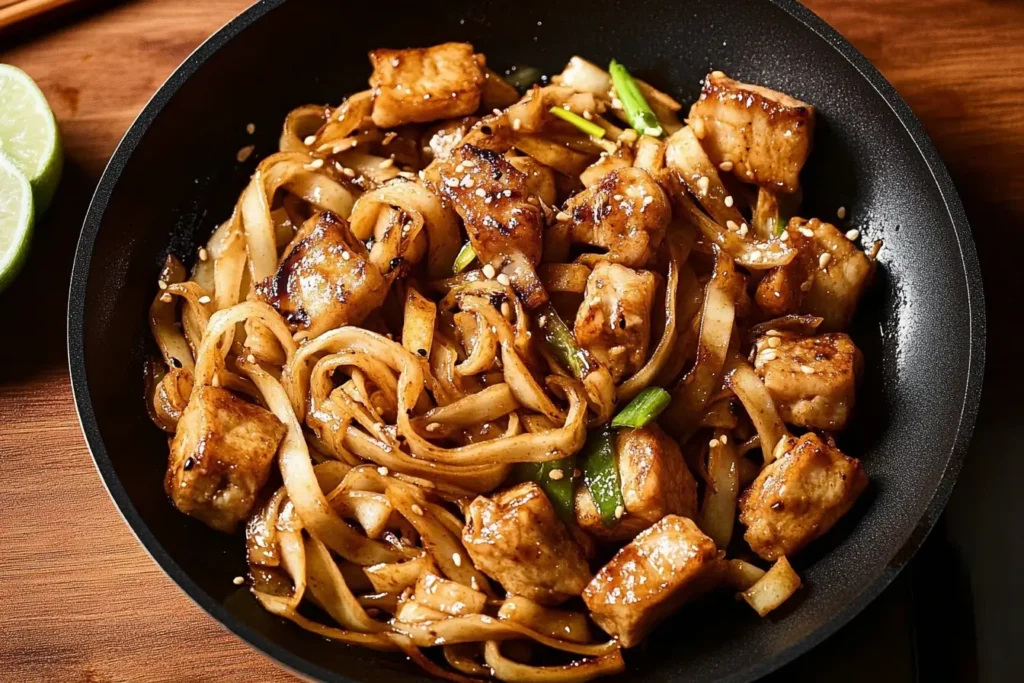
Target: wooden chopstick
15 11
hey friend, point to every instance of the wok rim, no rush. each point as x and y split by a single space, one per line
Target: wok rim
975 357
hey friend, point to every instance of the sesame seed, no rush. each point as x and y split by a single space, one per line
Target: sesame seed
516 124
250 128
387 163
648 200
755 255
162 284
784 236
203 254
466 182
806 369
562 216
743 230
806 232
852 235
166 298
408 175
480 192
204 299
724 438
774 342
457 559
348 172
238 580
433 427
773 333
382 471
617 197
703 183
824 259
717 74
725 166
250 358
732 226
587 115
768 355
345 256
310 139
417 509
503 279
388 138
728 201
496 111
556 474
506 310
714 443
619 511
316 163
841 212
489 271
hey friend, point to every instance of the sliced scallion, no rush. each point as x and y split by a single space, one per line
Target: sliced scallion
640 115
588 127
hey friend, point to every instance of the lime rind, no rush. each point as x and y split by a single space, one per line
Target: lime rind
17 216
28 133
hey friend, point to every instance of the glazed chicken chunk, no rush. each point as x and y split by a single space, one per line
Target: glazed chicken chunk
841 273
425 84
655 482
765 135
614 320
220 457
515 538
799 496
502 216
663 567
625 213
327 280
811 380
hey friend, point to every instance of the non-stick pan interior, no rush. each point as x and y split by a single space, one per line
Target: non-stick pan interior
176 176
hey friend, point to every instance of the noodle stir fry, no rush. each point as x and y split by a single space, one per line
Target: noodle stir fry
488 378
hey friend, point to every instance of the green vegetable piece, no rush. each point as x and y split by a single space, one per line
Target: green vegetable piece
588 127
780 226
643 409
559 489
522 77
465 257
562 343
601 475
641 116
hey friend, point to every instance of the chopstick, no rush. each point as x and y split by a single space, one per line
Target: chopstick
15 11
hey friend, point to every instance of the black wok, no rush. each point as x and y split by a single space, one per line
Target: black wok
922 327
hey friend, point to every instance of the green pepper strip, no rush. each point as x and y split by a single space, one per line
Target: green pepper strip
562 343
601 475
559 490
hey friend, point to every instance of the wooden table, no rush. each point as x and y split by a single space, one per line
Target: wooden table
80 598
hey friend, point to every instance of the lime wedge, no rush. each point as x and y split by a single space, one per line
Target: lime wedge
28 133
16 216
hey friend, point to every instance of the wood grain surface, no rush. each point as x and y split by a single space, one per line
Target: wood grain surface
81 600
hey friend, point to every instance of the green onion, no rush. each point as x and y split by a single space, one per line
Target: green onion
780 226
638 112
560 490
561 342
601 475
643 409
465 257
588 127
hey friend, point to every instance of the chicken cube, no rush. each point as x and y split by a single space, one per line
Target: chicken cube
326 281
220 457
425 84
812 380
614 320
838 279
799 496
516 538
663 567
502 216
765 134
655 482
626 212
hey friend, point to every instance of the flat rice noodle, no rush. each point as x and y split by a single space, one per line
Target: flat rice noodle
227 250
480 343
396 577
329 590
261 532
556 623
425 209
449 597
740 575
371 510
766 214
487 405
751 254
777 585
757 401
210 358
418 322
506 669
299 124
718 512
803 325
564 277
650 155
684 154
558 156
679 244
304 491
369 166
691 394
162 318
195 315
462 657
167 393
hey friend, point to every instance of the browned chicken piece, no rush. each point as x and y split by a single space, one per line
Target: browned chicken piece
626 213
655 482
515 538
540 179
812 380
663 567
622 157
614 320
799 497
220 457
842 273
425 84
765 135
502 216
326 281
